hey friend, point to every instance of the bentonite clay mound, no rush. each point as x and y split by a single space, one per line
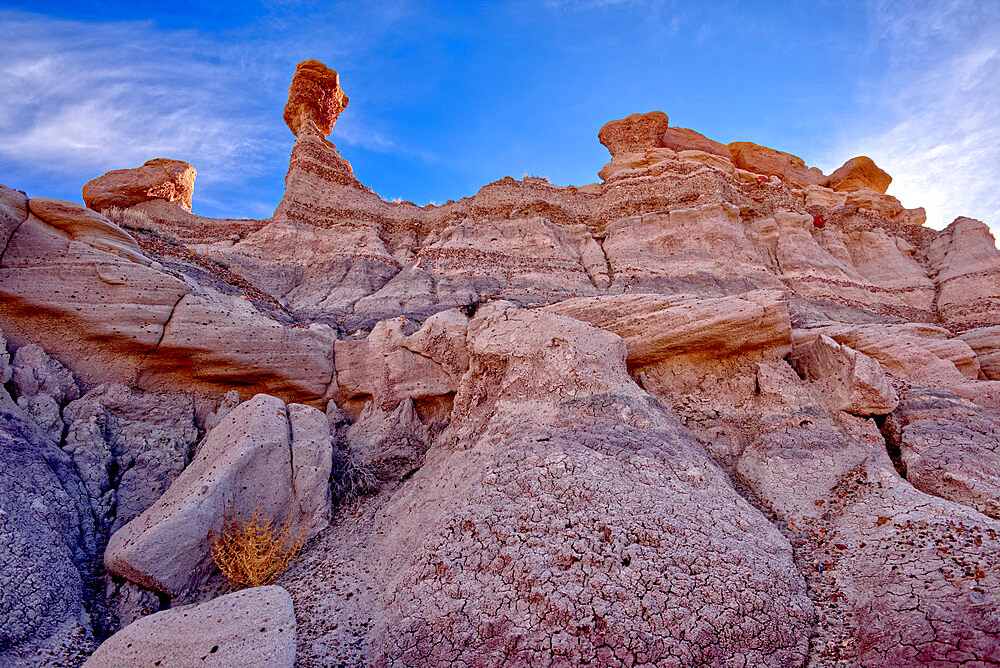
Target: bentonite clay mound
717 409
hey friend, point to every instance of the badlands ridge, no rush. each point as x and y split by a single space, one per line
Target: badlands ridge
717 409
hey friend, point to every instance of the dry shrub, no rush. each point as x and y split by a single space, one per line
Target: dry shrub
135 221
350 480
253 553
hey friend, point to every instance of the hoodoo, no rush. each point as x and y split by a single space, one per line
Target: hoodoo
717 408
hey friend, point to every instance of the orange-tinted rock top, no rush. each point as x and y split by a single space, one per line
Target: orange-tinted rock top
860 173
315 96
160 178
634 133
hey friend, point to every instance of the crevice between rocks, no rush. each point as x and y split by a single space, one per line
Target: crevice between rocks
893 436
12 235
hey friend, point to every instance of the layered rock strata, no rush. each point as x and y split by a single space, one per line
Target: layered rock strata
716 409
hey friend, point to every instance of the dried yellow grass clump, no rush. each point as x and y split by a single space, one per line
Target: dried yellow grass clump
253 553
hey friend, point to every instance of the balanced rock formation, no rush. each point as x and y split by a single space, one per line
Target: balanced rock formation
715 408
157 179
315 99
858 174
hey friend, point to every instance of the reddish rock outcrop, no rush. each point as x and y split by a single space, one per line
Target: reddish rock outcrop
315 99
763 160
160 178
860 173
683 139
634 133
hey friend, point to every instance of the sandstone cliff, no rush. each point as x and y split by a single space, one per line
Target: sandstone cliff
717 408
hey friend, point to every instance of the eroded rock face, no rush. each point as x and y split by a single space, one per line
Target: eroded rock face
553 429
849 380
985 342
948 447
967 265
251 627
684 139
44 556
160 178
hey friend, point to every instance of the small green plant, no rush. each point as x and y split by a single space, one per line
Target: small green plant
253 553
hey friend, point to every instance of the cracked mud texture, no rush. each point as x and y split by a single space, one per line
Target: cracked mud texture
594 531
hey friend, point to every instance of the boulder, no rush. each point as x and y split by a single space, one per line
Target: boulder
846 379
656 327
312 460
160 178
391 445
634 133
245 463
252 627
683 139
985 342
315 99
858 174
763 160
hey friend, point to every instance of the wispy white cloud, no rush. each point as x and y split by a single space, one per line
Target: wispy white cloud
932 119
93 96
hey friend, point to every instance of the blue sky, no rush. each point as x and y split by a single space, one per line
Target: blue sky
446 97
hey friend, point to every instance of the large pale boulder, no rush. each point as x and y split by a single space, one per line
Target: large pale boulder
160 178
245 463
252 627
315 99
634 133
847 379
859 173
